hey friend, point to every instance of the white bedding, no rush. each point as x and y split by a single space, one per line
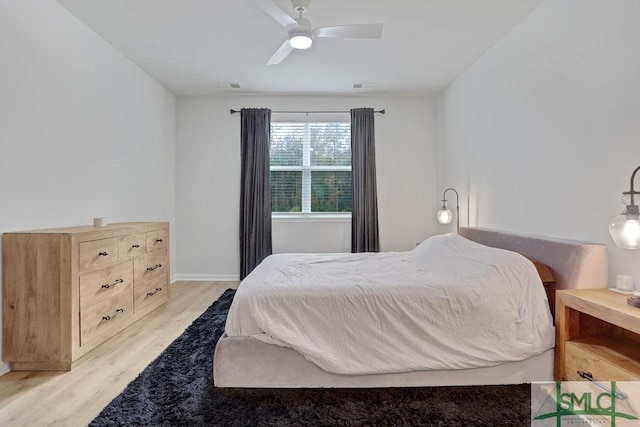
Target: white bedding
448 304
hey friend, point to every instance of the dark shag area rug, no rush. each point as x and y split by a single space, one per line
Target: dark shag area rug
177 390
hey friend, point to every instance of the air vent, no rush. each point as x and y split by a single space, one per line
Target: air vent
363 85
228 85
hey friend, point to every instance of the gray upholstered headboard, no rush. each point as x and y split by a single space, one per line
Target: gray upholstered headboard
574 264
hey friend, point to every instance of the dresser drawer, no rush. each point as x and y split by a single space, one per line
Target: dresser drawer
131 246
606 358
103 284
151 266
150 294
157 239
106 318
98 254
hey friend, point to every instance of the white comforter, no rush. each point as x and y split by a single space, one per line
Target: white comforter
448 304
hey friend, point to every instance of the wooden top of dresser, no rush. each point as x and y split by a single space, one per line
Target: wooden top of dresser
90 232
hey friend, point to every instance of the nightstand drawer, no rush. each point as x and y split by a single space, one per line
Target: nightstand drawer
606 358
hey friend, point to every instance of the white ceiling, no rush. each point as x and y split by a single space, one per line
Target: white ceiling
192 46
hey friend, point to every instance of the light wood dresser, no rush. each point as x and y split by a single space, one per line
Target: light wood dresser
66 290
597 333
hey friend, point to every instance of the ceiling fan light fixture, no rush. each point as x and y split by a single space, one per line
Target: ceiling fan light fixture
300 40
300 32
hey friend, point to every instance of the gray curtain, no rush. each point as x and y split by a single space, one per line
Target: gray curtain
255 188
364 210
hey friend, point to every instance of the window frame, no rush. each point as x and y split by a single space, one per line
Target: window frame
306 169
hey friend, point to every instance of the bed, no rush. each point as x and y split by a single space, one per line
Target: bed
279 339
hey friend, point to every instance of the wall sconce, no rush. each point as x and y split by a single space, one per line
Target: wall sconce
444 215
625 228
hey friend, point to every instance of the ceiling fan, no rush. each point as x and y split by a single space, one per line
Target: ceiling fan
301 35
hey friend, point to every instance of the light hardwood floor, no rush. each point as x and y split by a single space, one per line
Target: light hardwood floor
74 398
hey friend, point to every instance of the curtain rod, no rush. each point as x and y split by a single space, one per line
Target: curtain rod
232 111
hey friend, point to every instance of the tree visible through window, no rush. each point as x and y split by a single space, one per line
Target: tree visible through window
310 167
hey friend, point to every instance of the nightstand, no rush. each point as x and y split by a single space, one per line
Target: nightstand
596 332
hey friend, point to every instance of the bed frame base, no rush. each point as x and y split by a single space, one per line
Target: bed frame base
247 362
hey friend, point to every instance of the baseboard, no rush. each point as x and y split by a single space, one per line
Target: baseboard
206 277
4 368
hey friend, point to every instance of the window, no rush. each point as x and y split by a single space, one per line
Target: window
310 168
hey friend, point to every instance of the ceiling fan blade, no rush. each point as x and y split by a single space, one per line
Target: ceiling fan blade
282 52
356 31
274 11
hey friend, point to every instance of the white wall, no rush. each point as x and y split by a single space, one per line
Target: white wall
315 235
208 180
83 131
542 133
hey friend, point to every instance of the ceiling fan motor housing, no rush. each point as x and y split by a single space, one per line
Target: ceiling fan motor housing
304 26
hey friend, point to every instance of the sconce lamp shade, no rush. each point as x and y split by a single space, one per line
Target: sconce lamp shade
444 215
625 231
625 228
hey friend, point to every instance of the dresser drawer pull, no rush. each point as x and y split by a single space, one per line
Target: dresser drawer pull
103 253
158 240
154 267
589 376
118 311
107 286
150 294
136 246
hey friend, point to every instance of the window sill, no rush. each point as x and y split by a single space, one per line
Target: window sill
310 218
